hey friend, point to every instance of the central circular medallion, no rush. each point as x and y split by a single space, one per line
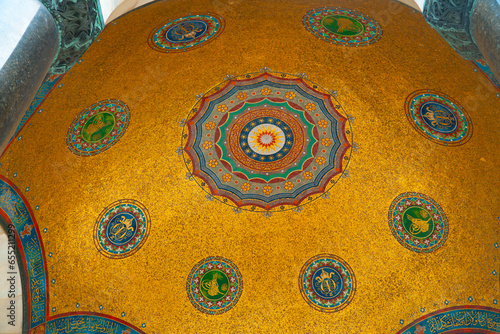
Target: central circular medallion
438 117
327 283
121 228
214 284
266 141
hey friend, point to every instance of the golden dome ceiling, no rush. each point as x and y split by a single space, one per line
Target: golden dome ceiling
262 166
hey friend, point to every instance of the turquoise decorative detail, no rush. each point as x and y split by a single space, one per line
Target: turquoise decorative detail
486 70
79 23
42 92
451 19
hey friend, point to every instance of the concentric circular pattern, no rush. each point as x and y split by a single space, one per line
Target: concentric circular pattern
418 223
122 228
98 127
438 118
266 141
327 283
342 26
186 33
214 285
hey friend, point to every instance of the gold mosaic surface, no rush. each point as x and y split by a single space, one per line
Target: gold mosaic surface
373 82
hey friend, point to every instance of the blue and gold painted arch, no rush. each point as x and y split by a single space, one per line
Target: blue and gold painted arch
14 208
16 211
454 320
87 322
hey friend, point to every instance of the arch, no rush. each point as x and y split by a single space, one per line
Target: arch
457 319
15 210
15 274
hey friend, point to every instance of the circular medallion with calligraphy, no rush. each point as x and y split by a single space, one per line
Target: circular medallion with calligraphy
418 223
122 228
327 283
214 285
438 118
342 26
186 33
266 141
98 127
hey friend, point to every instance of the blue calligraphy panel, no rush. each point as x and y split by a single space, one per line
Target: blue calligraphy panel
89 324
457 318
15 207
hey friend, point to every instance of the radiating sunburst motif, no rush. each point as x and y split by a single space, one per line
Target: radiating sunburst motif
266 139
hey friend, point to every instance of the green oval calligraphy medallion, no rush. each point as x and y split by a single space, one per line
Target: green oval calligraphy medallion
98 126
214 285
342 25
418 222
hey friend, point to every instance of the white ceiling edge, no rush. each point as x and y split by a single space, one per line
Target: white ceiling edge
15 17
420 4
111 9
108 6
123 7
417 4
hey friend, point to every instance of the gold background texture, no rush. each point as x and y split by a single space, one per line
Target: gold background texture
373 82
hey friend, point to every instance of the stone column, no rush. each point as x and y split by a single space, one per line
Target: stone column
30 40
